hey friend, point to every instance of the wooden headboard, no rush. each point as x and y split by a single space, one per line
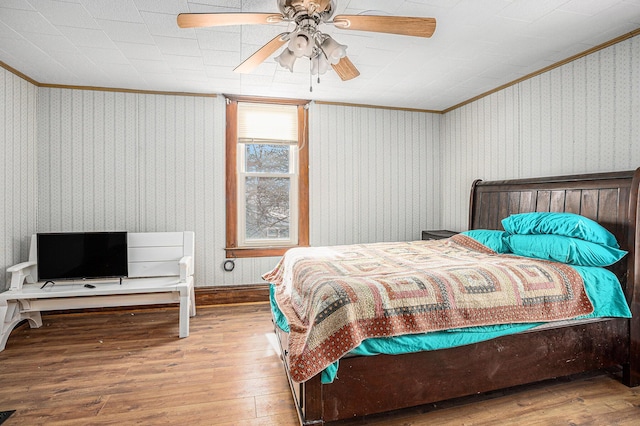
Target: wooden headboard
608 198
611 199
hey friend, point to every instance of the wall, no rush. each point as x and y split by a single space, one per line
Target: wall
578 118
18 200
143 162
135 162
87 161
374 174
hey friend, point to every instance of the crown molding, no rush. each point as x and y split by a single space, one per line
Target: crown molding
430 111
548 68
100 89
18 73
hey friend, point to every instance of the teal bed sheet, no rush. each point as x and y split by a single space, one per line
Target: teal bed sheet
602 286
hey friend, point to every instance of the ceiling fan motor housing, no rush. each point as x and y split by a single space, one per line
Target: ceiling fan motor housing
320 9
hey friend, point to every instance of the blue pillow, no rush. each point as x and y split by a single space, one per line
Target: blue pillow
567 224
563 249
490 238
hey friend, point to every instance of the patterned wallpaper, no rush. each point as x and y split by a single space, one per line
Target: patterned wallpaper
87 161
18 200
578 118
142 162
374 174
134 162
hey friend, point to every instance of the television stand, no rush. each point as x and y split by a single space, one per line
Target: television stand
160 271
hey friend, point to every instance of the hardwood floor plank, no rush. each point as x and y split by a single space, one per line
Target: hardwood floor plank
278 420
273 404
210 413
198 394
129 367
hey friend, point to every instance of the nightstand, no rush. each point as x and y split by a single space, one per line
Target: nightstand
438 234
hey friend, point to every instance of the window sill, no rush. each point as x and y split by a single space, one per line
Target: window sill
257 251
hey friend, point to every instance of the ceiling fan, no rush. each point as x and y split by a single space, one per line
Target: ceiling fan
306 39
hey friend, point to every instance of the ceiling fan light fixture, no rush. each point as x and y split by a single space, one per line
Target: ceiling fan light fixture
333 50
286 59
301 44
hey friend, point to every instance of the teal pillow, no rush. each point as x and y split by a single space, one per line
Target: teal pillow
567 224
563 249
490 238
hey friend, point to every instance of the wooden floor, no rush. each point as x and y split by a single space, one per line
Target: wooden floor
129 367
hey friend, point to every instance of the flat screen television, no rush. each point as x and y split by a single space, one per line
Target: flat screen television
80 255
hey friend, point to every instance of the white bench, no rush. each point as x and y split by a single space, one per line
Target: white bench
160 271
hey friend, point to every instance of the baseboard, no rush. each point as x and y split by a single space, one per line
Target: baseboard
224 295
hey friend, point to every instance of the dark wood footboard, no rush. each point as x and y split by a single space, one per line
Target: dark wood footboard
376 384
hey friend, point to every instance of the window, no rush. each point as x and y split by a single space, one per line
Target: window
267 176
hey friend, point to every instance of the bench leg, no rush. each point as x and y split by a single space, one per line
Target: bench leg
33 316
185 300
7 315
10 316
192 305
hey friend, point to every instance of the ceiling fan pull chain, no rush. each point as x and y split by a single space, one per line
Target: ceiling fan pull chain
310 76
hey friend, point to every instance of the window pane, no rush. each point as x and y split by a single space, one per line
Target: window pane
267 207
264 158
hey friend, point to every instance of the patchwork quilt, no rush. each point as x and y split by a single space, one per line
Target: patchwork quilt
335 297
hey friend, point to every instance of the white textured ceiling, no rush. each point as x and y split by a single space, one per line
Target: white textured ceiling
478 45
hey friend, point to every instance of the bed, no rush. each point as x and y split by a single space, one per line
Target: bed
381 383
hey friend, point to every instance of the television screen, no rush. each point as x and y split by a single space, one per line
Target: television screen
75 255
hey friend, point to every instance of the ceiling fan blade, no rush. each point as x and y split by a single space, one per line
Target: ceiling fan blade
403 25
196 20
261 54
345 69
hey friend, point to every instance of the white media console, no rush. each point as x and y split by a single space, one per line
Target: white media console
160 268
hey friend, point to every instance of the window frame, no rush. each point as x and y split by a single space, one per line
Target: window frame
233 249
